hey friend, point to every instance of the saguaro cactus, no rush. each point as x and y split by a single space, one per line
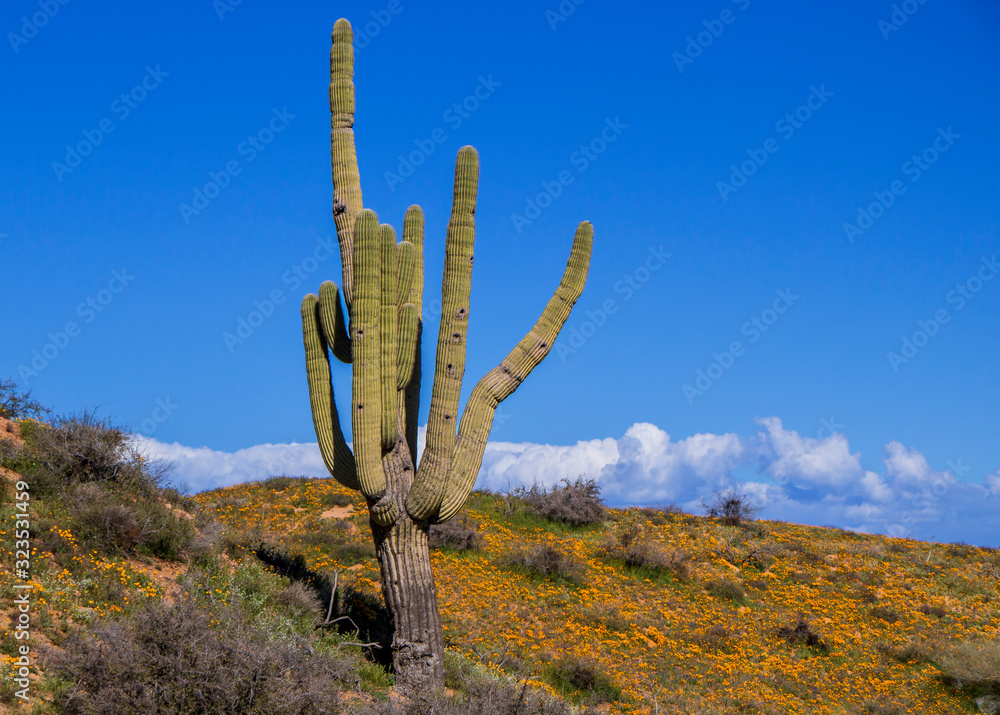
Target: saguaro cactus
383 291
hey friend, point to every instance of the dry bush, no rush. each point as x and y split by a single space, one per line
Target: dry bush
111 522
802 634
929 610
731 507
300 600
631 544
81 449
574 503
885 613
715 638
544 560
726 591
460 535
482 695
906 653
974 663
660 515
183 659
16 405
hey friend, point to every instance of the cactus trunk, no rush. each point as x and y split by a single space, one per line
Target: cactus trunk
383 292
408 587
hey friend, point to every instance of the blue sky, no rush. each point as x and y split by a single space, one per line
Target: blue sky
738 137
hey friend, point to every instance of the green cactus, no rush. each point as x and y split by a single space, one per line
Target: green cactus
383 291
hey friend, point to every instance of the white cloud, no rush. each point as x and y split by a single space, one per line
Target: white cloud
202 468
806 461
806 480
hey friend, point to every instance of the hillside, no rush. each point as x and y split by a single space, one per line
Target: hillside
645 610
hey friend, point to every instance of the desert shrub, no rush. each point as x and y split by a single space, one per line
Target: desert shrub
185 659
975 663
660 515
906 653
885 613
478 695
84 449
732 507
544 560
714 638
632 545
726 590
111 522
179 499
17 405
802 634
460 535
335 499
300 600
571 673
574 503
929 610
279 484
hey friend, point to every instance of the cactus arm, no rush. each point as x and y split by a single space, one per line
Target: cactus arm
366 387
413 233
425 497
343 155
407 318
333 323
406 257
407 344
337 455
388 325
498 384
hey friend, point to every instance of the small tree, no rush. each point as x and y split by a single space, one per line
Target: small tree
381 339
15 405
731 506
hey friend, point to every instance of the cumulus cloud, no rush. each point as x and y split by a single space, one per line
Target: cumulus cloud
800 479
201 468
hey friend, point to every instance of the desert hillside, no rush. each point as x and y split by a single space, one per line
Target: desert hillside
550 602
